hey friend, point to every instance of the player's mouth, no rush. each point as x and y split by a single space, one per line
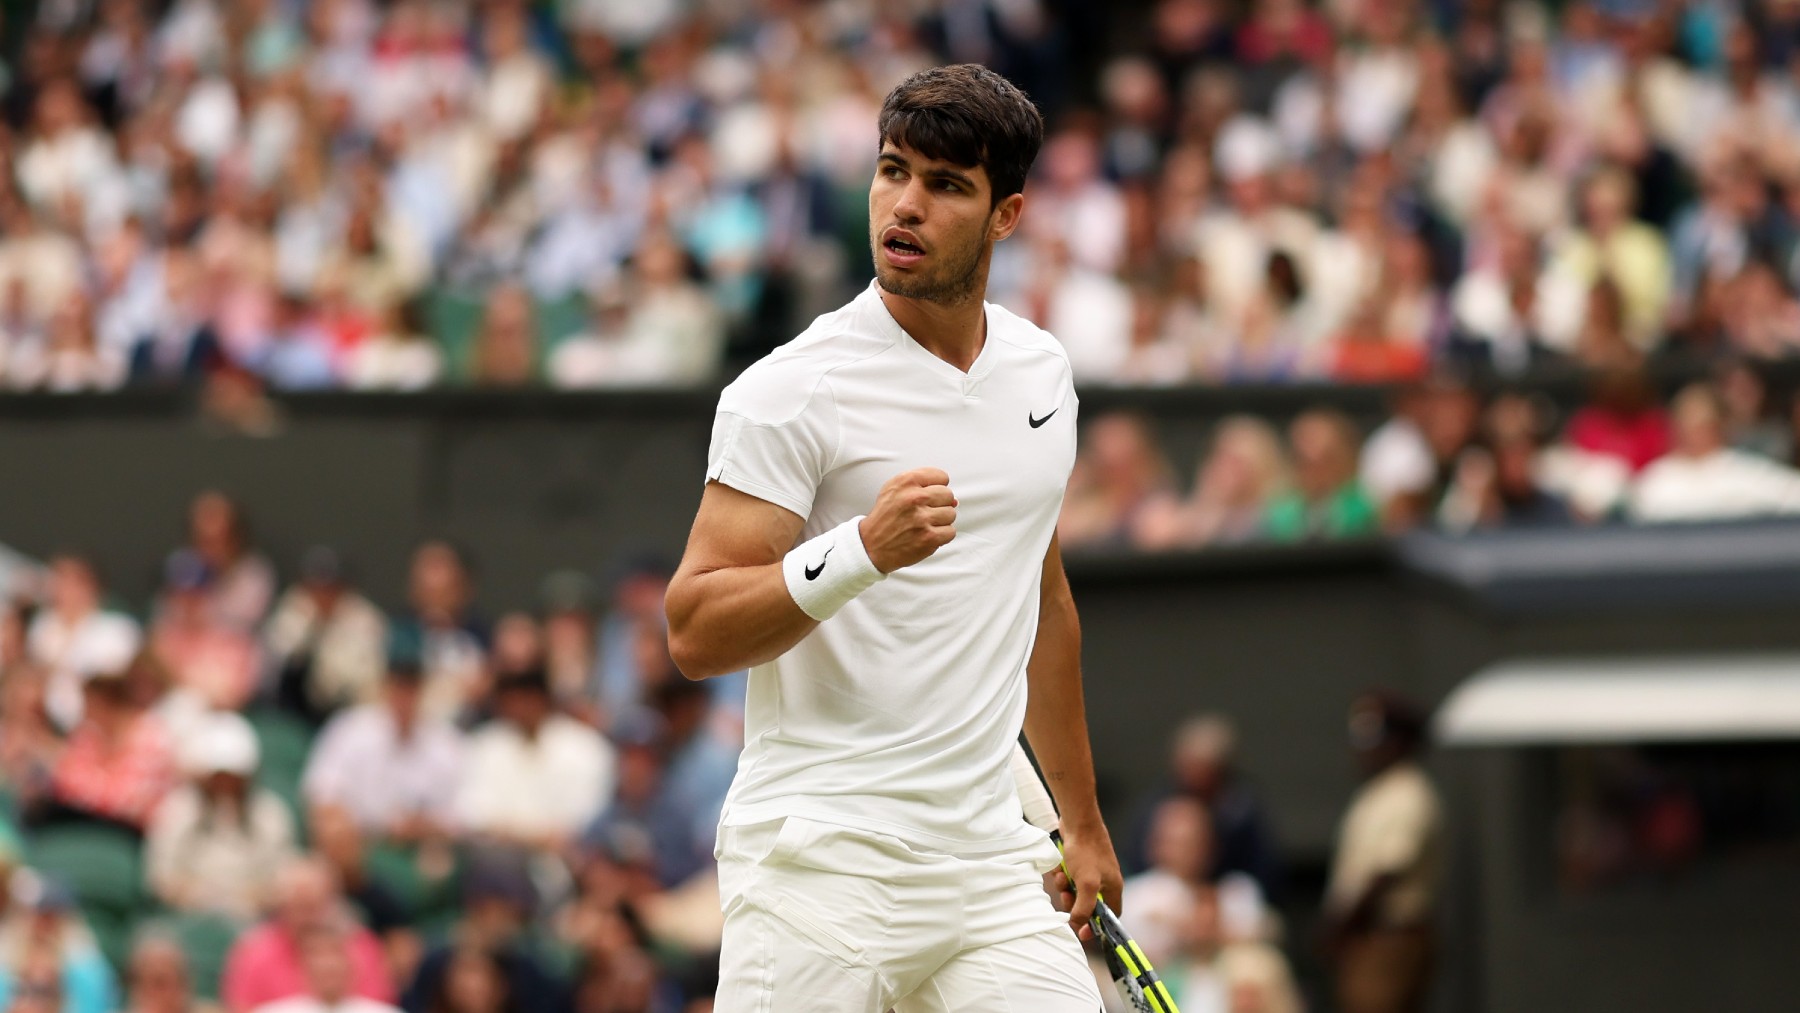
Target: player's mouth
902 248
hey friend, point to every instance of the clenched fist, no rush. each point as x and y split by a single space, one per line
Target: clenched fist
914 514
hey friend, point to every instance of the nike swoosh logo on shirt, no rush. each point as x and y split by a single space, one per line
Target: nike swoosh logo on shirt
1036 422
812 572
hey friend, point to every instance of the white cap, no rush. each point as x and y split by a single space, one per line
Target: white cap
222 743
105 645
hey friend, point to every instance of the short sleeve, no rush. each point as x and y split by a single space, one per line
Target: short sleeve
781 462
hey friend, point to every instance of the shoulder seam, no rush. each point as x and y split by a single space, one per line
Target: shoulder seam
813 391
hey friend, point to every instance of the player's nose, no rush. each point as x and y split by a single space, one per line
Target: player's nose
910 208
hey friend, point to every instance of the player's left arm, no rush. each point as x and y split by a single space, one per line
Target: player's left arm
1056 727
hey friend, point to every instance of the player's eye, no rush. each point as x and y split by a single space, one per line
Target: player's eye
892 171
949 186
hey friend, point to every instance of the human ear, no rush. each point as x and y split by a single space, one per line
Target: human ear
1005 217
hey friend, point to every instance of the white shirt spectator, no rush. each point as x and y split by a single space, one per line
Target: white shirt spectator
348 645
76 160
1723 485
396 362
420 774
553 783
201 859
671 337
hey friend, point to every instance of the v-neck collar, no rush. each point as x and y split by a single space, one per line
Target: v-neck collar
884 320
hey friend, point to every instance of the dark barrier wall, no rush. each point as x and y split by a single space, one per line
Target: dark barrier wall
1281 639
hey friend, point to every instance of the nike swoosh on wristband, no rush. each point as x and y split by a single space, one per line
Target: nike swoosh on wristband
812 572
1036 422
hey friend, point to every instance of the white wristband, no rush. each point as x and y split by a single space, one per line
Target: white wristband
825 573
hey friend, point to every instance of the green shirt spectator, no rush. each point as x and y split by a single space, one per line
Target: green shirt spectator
1326 501
1346 513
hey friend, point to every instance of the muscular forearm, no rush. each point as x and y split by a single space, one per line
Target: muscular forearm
728 619
1056 716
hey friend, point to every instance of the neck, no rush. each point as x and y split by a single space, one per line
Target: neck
952 332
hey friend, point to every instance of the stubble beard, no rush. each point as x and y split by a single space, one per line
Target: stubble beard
953 282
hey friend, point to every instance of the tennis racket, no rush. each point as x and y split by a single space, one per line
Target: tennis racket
1131 971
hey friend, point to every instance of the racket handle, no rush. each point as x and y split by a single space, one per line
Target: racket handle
1040 811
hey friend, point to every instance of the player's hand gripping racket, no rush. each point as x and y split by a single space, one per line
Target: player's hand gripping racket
1131 972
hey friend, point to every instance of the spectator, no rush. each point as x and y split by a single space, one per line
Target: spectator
671 334
1365 351
1216 970
1163 895
272 961
1615 245
118 763
636 616
442 631
29 742
569 600
298 353
339 842
216 661
1750 421
1621 419
183 345
474 983
518 645
1156 355
534 778
1202 767
157 979
641 809
74 636
1500 308
673 776
498 902
217 842
243 580
325 640
1121 481
1326 501
67 359
48 956
1499 484
399 356
1274 329
1703 478
701 762
330 978
1239 477
1090 312
419 755
1387 873
505 352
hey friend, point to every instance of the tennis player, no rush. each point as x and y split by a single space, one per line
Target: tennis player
876 542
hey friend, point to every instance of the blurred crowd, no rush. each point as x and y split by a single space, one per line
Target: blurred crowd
251 796
1722 448
392 194
257 796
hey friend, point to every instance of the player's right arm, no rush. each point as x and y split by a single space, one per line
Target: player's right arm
729 606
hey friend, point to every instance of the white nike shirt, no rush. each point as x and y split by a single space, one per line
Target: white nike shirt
898 715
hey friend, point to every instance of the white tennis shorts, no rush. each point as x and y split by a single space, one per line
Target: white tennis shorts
825 919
